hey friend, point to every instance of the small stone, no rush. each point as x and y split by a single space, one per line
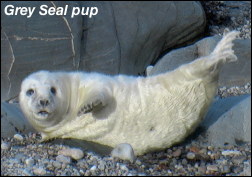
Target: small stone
237 169
29 162
56 164
148 70
141 174
214 156
176 153
123 167
223 88
102 165
14 161
230 152
93 168
174 161
247 168
74 153
238 159
184 162
211 148
63 159
190 155
123 151
138 162
179 167
5 146
169 172
39 171
212 168
194 149
226 169
203 151
27 172
202 169
247 86
21 157
19 137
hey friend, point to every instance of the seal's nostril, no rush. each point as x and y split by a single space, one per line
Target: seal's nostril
44 102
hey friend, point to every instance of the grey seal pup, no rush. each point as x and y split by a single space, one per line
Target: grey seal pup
149 113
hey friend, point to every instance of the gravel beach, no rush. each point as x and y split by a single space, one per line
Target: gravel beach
23 155
235 15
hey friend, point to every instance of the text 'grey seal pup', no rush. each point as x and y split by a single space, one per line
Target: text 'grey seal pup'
149 113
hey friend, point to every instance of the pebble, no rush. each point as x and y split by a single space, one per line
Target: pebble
74 153
5 146
29 162
39 171
56 164
247 168
63 159
184 162
148 70
190 155
226 169
203 151
102 165
238 159
176 153
124 151
202 169
194 149
93 168
138 162
27 172
212 168
19 137
123 167
237 169
141 174
230 152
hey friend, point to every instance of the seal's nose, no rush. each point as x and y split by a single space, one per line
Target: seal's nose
44 102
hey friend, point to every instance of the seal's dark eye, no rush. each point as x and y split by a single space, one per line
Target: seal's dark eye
30 92
53 90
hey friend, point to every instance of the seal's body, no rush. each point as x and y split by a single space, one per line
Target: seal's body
149 113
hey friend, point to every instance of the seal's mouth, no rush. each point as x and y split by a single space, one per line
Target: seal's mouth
42 114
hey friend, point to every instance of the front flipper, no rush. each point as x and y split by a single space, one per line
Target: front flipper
89 107
95 101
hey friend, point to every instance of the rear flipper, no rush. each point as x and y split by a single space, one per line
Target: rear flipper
210 65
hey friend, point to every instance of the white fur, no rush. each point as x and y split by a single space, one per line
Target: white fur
149 113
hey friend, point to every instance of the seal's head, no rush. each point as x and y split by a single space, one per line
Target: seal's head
43 99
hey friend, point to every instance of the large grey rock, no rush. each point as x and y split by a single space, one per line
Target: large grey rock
228 121
124 37
13 120
236 73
